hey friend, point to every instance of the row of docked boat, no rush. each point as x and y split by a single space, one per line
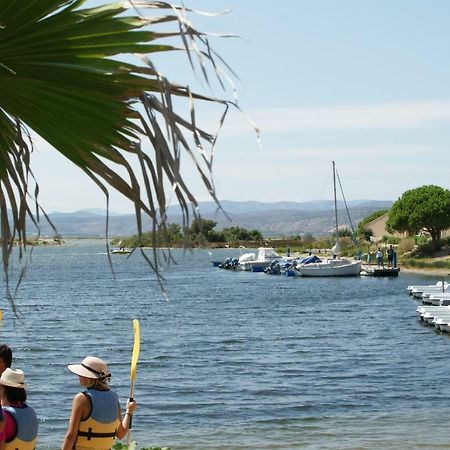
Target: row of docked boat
424 291
439 316
435 307
269 261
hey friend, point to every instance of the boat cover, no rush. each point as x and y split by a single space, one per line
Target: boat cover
247 257
310 259
265 253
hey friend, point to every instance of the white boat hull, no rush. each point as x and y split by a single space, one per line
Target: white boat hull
331 268
119 251
252 265
263 259
424 288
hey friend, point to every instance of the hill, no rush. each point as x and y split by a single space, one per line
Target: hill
271 219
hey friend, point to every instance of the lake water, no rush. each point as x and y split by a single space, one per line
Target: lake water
235 360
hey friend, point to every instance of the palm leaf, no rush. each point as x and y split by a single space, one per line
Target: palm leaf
58 79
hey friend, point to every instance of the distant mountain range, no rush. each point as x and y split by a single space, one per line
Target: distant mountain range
271 219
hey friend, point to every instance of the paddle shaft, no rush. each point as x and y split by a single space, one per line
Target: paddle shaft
134 358
131 399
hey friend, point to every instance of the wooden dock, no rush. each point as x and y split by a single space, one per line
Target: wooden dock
375 271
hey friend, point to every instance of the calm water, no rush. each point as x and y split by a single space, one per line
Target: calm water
234 360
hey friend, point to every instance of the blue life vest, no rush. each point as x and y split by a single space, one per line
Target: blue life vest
26 428
99 429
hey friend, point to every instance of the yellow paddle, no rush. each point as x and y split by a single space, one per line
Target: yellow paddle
134 360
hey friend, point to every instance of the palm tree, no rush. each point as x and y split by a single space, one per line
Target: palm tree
64 73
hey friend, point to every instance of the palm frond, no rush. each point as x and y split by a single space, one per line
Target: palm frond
60 76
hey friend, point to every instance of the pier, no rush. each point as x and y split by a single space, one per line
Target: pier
375 271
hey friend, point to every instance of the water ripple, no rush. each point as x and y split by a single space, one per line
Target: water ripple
234 360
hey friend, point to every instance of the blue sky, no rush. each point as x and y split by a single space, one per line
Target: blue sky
364 83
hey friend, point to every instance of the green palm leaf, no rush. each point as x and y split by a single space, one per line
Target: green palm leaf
58 79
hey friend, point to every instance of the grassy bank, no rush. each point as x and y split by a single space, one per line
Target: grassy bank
426 263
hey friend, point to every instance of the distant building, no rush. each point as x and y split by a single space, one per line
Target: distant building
378 227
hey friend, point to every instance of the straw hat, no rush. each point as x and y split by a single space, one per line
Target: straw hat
13 378
91 367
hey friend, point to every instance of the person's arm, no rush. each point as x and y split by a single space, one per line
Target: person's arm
80 409
124 425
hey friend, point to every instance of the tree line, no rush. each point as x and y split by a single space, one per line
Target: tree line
425 208
200 232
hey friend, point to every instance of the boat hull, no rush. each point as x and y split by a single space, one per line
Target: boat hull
333 268
120 251
255 266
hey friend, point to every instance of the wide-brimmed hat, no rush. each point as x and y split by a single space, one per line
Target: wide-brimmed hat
13 378
91 367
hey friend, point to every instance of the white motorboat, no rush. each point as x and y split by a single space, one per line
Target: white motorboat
431 316
423 308
429 313
420 292
330 268
263 259
119 251
436 299
440 294
335 266
440 321
425 287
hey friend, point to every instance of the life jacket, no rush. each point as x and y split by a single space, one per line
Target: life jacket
99 429
26 428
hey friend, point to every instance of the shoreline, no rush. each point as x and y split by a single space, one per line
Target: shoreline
429 272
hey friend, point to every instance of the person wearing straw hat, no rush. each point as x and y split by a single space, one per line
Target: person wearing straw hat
96 418
20 428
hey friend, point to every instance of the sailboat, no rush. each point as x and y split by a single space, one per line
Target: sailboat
335 266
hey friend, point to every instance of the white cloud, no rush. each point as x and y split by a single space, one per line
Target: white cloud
342 117
350 152
289 169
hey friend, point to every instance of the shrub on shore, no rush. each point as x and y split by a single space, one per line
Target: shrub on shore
405 246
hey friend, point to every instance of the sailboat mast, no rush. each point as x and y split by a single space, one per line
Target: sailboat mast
335 201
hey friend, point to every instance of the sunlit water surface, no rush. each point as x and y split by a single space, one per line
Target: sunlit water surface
235 360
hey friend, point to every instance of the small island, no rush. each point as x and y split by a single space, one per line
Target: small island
36 242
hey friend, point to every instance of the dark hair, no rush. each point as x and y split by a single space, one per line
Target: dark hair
15 395
6 354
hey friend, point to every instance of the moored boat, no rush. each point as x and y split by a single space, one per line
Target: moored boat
330 268
265 256
335 266
119 251
422 288
419 292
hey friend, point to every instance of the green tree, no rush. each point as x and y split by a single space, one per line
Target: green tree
201 228
65 73
241 234
426 207
255 235
173 234
232 233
